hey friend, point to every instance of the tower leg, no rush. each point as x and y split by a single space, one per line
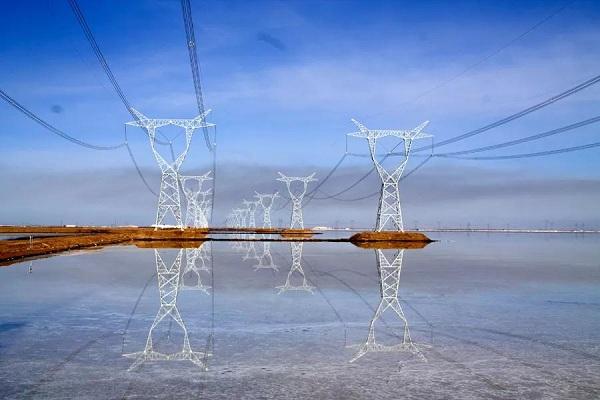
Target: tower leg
297 221
389 215
169 200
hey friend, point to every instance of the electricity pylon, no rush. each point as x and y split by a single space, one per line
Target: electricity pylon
266 200
169 200
205 203
389 213
295 270
197 260
243 213
195 214
297 221
389 283
168 287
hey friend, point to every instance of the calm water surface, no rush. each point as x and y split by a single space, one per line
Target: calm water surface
487 316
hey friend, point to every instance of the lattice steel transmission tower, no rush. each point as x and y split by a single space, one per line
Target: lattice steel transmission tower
205 203
296 271
169 200
195 214
168 287
251 206
296 197
389 283
266 200
389 213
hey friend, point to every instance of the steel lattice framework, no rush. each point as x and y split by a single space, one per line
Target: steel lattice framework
195 214
389 213
205 203
266 201
297 221
168 287
251 206
169 200
296 269
389 284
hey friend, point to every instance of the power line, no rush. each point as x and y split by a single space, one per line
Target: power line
103 63
53 129
137 168
377 193
527 155
522 113
494 53
525 139
188 21
500 122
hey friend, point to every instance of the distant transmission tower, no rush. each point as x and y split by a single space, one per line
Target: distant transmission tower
168 285
251 206
389 283
266 202
169 200
296 271
195 215
389 214
297 221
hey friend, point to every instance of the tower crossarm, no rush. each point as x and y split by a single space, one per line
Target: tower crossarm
195 123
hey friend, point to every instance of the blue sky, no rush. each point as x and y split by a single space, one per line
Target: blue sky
284 79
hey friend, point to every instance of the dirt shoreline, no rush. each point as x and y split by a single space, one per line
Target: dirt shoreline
69 238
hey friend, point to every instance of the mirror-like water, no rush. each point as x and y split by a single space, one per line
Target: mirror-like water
472 316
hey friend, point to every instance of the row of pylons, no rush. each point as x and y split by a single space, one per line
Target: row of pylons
389 213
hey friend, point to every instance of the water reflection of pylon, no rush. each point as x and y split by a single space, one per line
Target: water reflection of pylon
389 213
168 285
295 270
389 283
169 200
197 261
241 215
297 221
265 260
251 207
